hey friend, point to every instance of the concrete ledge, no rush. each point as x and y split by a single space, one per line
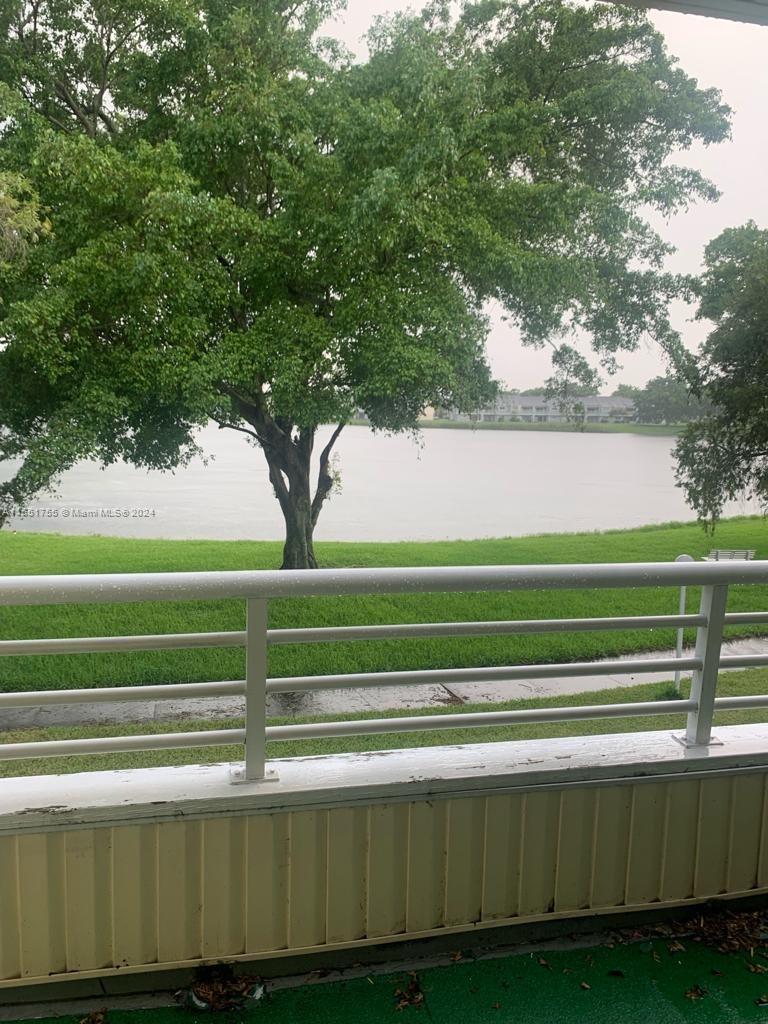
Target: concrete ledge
160 794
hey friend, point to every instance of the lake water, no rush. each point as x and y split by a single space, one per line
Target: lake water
451 484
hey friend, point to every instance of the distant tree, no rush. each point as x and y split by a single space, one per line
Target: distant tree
724 454
576 413
666 400
625 391
249 228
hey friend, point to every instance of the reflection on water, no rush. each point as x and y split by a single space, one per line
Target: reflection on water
453 484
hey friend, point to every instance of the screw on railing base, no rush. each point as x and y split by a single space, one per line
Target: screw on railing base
237 776
683 740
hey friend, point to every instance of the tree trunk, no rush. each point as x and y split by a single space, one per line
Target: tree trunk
288 451
298 551
289 472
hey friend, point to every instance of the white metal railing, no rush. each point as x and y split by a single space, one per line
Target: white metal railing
257 588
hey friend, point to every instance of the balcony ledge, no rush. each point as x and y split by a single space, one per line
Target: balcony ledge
199 791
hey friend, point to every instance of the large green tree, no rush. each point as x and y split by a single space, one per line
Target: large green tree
724 454
251 228
667 399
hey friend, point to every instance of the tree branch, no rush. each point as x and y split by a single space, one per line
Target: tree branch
275 442
233 426
66 96
324 478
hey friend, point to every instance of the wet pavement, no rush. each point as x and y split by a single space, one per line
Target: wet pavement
325 702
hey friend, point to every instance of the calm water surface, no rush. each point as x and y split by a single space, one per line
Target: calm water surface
452 484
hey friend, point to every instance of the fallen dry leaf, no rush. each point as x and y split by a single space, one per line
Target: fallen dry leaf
219 988
95 1017
585 985
729 932
695 992
411 995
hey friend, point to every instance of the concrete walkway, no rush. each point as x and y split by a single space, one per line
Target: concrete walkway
358 700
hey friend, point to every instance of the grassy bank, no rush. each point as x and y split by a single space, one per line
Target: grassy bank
37 553
650 429
750 681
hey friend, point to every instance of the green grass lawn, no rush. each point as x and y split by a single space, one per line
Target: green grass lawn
750 681
652 429
28 553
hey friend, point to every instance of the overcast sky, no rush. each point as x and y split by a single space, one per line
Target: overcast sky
728 55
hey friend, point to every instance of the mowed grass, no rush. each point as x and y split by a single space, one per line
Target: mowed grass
750 681
52 554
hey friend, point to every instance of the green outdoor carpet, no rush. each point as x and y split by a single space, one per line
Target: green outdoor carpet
653 982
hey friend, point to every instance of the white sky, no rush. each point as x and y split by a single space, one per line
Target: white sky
728 55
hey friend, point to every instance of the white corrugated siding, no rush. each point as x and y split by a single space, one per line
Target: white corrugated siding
138 896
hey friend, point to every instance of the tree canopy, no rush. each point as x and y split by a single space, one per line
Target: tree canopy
667 400
20 222
724 455
625 391
247 226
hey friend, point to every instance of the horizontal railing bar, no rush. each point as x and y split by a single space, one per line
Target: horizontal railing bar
457 629
741 703
333 634
103 644
413 723
117 694
743 660
352 680
318 730
198 586
745 618
120 744
502 673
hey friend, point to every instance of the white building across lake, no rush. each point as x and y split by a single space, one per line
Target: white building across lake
512 407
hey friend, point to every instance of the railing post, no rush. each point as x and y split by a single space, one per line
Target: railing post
681 630
254 767
709 639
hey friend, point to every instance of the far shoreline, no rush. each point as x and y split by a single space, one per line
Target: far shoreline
646 429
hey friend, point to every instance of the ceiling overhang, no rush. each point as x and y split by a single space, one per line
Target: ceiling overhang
752 11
